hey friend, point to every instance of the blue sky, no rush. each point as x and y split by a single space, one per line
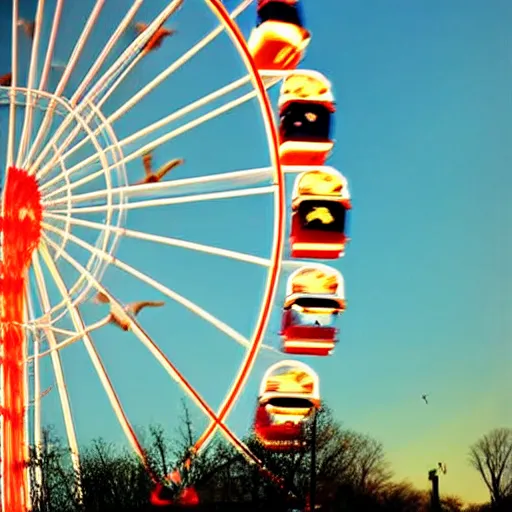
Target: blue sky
423 134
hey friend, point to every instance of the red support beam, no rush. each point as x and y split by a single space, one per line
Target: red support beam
21 230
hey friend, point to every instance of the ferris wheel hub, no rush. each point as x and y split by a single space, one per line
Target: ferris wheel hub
58 182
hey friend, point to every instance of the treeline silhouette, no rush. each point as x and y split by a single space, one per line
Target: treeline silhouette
352 474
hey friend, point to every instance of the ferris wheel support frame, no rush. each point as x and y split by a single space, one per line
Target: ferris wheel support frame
21 228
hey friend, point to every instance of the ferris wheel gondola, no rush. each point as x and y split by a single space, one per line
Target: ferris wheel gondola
315 296
289 395
279 40
306 107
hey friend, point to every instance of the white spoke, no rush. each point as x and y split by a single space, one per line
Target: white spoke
133 50
79 325
172 371
27 123
176 65
37 394
246 177
221 326
276 73
125 23
73 60
172 68
41 327
297 169
12 92
48 166
165 201
59 373
51 46
173 242
72 339
99 152
152 127
68 197
165 138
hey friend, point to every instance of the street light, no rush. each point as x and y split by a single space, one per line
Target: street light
435 501
434 497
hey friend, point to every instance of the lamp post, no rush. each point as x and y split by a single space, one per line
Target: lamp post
433 476
434 497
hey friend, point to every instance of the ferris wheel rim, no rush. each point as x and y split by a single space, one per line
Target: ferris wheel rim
274 270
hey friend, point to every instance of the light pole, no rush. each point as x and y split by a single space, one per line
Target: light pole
435 501
434 497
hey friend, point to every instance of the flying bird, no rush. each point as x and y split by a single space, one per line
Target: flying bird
28 27
58 65
424 397
121 316
154 177
42 394
46 391
6 79
442 467
136 307
156 40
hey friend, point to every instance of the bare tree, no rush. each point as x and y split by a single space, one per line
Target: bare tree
351 474
452 504
112 479
52 476
491 456
370 468
158 451
404 497
475 507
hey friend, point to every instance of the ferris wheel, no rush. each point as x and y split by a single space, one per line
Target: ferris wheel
93 145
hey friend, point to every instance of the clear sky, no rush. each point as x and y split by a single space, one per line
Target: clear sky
423 132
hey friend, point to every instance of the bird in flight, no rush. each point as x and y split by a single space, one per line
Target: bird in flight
42 394
156 40
58 65
6 79
28 27
154 177
121 316
442 467
424 397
